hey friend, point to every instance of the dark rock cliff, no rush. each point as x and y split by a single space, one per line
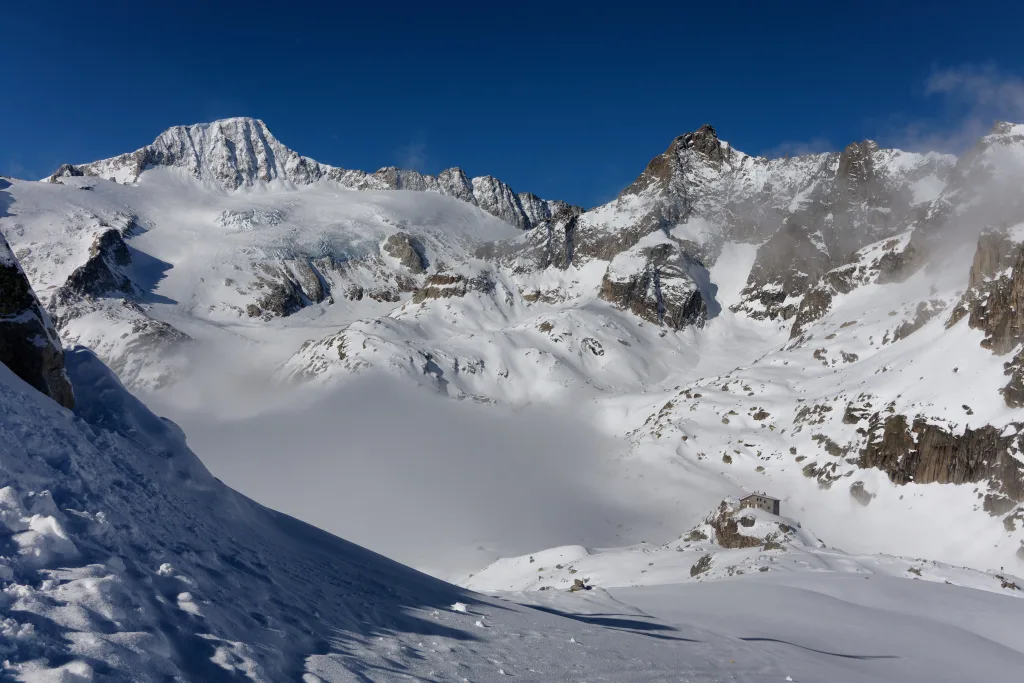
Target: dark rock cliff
925 453
100 275
29 344
994 304
408 250
661 292
786 267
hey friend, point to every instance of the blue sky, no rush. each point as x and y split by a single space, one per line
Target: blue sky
566 101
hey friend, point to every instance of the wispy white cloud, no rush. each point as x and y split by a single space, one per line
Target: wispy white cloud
983 88
969 99
16 169
413 156
815 145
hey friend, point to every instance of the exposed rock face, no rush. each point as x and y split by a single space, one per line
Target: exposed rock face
856 198
367 277
701 566
925 453
236 153
926 310
441 286
682 182
994 303
100 275
65 171
539 211
879 262
813 307
29 344
786 266
725 522
498 199
230 154
99 288
660 290
287 287
451 182
408 250
666 171
995 294
550 245
446 285
860 494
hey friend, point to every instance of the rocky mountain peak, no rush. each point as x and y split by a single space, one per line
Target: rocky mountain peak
704 140
241 152
664 169
856 175
1007 128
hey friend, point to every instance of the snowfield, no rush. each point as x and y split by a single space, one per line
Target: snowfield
458 376
127 561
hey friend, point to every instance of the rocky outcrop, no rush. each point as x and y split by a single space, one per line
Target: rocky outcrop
726 526
925 311
787 265
655 284
813 307
29 345
731 526
446 285
879 262
498 199
451 182
994 300
286 288
860 494
664 170
925 453
100 275
994 304
538 211
65 171
853 199
408 250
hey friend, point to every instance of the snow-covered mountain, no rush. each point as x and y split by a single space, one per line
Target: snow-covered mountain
218 240
125 560
241 153
841 330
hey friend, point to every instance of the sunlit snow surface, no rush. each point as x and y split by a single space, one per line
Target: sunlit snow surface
587 399
127 561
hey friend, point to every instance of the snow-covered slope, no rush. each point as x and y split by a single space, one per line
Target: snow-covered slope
126 561
730 542
841 331
827 327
